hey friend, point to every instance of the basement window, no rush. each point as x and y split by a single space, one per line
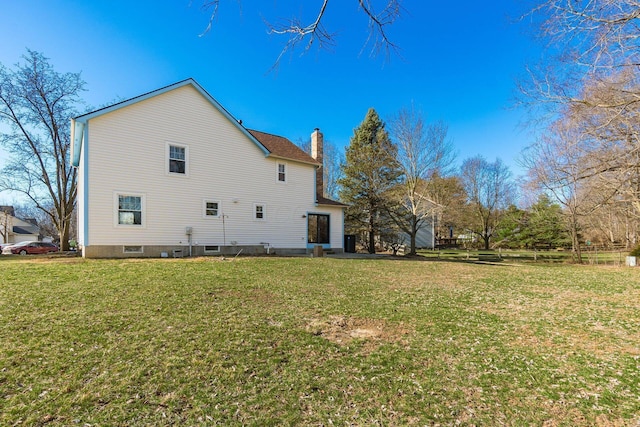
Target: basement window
208 249
132 249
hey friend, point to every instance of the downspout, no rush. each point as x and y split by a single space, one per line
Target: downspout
77 136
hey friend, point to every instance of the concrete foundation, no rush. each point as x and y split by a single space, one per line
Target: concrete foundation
178 251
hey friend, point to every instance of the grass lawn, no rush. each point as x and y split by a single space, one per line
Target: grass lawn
317 341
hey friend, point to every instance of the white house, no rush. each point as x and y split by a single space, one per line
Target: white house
172 172
16 230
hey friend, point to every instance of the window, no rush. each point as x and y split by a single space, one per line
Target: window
177 157
129 210
318 228
260 212
211 248
211 209
282 172
132 249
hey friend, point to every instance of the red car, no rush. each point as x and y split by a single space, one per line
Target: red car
24 248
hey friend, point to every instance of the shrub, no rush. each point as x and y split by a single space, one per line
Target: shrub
635 251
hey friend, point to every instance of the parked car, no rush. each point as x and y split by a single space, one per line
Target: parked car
32 248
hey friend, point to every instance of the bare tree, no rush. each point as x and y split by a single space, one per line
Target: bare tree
591 88
332 161
591 75
613 224
613 135
424 153
449 197
606 129
313 31
601 34
6 225
561 163
490 190
36 103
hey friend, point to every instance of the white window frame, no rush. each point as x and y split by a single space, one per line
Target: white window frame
204 209
211 251
167 157
255 211
285 172
133 249
116 209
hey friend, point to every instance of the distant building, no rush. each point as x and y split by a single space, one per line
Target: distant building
16 230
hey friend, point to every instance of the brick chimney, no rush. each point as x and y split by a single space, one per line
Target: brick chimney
317 154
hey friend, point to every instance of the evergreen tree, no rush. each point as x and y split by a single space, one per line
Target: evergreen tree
540 226
369 174
547 226
514 231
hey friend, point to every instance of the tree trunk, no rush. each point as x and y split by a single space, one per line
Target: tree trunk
414 232
372 235
64 237
575 242
486 237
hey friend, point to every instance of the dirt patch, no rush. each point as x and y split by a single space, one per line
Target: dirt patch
343 330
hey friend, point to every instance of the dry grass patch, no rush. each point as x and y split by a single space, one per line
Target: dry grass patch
343 330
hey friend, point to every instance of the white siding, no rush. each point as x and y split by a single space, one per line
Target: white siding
336 224
424 236
126 152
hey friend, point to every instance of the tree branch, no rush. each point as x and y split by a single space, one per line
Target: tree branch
316 33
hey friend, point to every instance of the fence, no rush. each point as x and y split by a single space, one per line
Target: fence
590 255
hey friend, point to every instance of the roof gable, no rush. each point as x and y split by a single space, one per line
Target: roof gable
281 147
8 210
270 145
78 123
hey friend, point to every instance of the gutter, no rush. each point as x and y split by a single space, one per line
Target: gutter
77 137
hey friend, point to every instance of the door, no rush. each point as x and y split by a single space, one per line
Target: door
319 230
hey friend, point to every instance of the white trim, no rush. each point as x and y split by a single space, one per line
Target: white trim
255 211
167 159
285 172
211 251
116 209
204 209
318 214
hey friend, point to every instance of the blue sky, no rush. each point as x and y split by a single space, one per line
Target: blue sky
458 62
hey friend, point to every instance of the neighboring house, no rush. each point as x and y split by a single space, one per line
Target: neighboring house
172 172
16 230
424 236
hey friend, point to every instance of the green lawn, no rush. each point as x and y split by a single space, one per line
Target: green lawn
317 341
